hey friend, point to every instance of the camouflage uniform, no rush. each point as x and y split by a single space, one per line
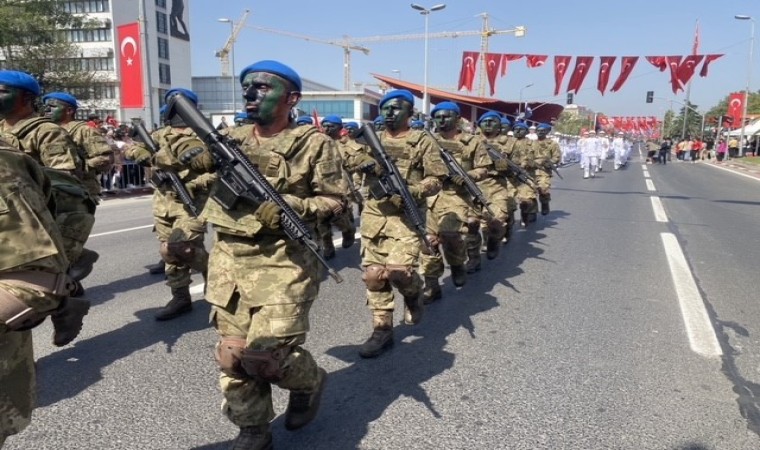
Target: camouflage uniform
521 152
262 284
495 187
94 150
52 147
507 182
29 241
547 153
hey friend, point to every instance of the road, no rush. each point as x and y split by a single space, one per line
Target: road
627 319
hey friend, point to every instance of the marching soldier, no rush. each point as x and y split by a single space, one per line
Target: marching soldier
520 151
547 156
390 244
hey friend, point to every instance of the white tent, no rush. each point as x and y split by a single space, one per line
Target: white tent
749 130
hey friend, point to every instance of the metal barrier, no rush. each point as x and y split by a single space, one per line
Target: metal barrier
125 176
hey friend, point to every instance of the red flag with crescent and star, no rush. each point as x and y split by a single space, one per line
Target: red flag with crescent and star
560 68
605 66
506 59
687 67
708 60
534 61
626 67
658 61
130 66
674 62
736 108
493 64
582 66
467 73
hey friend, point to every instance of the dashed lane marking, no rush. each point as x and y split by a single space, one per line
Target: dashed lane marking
659 210
650 185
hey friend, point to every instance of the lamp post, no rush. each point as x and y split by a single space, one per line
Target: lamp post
749 74
519 105
232 63
426 12
397 72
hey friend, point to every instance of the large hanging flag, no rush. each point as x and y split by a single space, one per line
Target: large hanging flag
673 63
736 108
626 67
467 73
560 68
658 61
708 60
535 60
493 64
130 66
582 66
605 67
506 59
687 68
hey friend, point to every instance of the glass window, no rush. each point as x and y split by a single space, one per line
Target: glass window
161 3
163 48
164 73
162 25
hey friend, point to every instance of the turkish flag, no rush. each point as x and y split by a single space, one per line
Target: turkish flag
506 58
736 108
605 67
708 60
130 66
603 121
643 123
617 122
626 67
658 61
467 73
560 68
687 67
582 66
493 64
535 60
674 62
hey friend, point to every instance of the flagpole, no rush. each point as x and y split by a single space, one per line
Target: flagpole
146 63
694 51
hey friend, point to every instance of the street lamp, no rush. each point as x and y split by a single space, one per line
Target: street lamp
519 105
232 63
749 74
397 72
426 12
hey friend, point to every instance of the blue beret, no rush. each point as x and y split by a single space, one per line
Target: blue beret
61 96
20 80
241 116
162 110
543 126
445 106
276 68
490 114
417 123
303 120
352 125
186 92
506 121
520 125
403 94
333 119
379 119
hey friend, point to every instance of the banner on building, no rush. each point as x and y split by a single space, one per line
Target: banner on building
130 66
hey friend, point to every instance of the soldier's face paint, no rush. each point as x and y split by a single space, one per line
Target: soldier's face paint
542 133
520 132
490 126
396 114
266 97
55 110
505 129
446 120
331 129
352 132
8 99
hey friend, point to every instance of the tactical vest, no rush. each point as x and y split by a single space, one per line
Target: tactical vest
14 138
400 152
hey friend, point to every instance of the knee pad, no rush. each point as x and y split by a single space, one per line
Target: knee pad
375 277
473 225
228 354
265 365
434 243
400 276
177 253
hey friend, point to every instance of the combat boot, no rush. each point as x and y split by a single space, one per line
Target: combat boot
67 320
84 265
532 217
412 309
253 438
304 405
432 290
349 237
492 246
382 335
545 207
157 269
181 303
78 290
459 275
473 260
328 248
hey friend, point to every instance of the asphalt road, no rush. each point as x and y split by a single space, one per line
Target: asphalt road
608 325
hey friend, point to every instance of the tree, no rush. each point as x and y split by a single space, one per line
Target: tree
721 109
570 123
693 122
33 40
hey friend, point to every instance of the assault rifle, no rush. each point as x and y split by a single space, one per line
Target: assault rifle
239 179
455 169
519 172
163 176
553 167
391 183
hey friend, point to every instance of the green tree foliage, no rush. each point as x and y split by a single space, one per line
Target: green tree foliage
753 106
693 128
570 123
32 40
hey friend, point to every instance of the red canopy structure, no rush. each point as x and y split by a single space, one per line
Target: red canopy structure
472 107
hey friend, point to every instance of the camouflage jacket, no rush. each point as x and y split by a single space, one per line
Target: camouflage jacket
47 143
94 150
546 150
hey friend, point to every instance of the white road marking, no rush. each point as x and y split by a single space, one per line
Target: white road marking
733 171
644 167
659 211
699 329
650 185
646 174
123 230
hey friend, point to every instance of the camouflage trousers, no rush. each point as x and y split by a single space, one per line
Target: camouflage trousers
544 182
75 216
343 222
175 224
397 251
526 198
262 289
447 217
18 389
501 201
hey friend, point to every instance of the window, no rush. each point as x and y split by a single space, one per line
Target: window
341 108
163 48
94 92
161 3
91 6
89 35
83 64
164 73
162 25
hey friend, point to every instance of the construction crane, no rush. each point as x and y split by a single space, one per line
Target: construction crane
224 53
347 47
353 43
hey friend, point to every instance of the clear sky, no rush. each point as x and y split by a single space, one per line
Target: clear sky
554 27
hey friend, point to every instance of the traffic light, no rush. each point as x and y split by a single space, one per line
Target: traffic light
569 98
650 96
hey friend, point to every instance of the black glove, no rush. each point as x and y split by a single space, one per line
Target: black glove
368 165
188 156
268 213
457 179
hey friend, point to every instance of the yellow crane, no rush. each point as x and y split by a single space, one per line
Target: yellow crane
354 43
224 53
